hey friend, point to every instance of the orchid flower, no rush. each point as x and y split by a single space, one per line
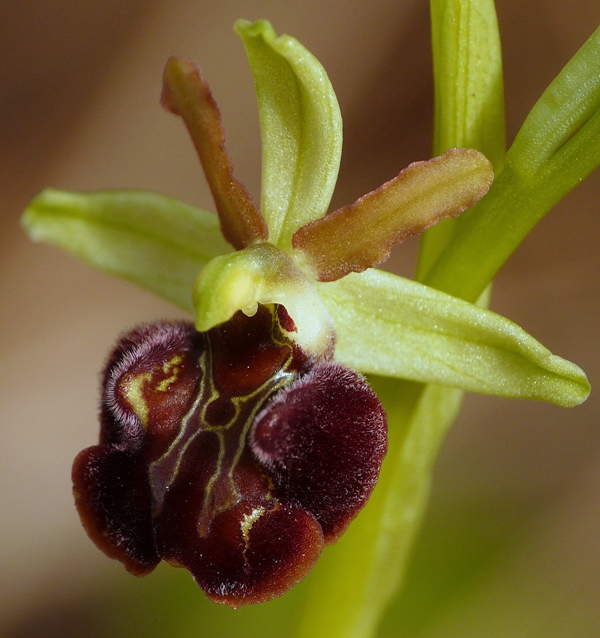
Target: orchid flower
289 284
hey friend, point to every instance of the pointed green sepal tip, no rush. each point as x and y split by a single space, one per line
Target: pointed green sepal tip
262 274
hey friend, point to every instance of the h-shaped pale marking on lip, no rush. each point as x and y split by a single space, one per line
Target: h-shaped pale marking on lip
221 492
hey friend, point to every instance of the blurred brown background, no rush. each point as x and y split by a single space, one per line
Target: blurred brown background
511 546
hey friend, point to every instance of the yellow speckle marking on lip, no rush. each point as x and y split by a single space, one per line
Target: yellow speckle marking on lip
248 521
134 393
270 488
172 364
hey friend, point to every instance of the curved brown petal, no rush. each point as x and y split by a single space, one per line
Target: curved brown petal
361 235
323 439
149 383
187 94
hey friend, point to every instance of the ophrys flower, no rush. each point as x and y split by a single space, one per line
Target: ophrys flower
298 281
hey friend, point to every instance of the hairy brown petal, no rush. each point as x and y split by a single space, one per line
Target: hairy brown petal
150 377
110 480
361 235
187 94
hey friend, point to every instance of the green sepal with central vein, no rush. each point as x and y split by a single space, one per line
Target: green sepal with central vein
157 242
301 129
396 327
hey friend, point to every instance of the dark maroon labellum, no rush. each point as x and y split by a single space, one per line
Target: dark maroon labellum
231 453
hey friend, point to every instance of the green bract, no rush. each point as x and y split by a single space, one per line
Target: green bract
321 267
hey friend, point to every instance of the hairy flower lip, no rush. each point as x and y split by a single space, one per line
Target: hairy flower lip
185 472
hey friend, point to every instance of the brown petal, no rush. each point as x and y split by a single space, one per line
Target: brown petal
361 235
149 383
139 417
187 94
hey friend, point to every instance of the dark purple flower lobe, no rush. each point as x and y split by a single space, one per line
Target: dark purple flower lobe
231 453
114 503
324 438
150 378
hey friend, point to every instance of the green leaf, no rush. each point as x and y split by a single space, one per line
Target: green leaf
559 118
396 327
157 242
301 129
354 580
361 235
557 147
469 96
261 274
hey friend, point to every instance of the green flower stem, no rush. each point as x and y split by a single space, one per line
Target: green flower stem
359 576
350 581
362 572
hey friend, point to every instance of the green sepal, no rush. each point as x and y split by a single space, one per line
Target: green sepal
301 129
396 327
157 242
261 274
